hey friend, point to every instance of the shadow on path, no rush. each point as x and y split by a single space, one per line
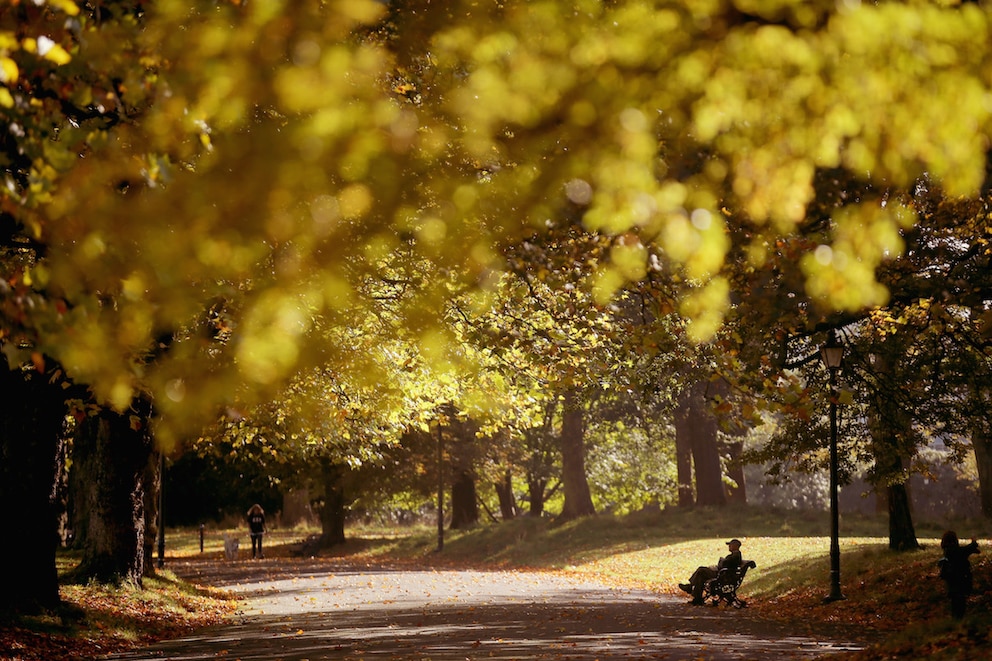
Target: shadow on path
338 612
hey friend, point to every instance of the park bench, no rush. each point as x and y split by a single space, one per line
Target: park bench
724 586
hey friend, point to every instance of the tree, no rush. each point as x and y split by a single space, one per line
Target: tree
476 138
504 494
578 501
981 440
293 148
894 441
631 466
154 524
462 445
696 434
111 453
333 506
31 437
541 470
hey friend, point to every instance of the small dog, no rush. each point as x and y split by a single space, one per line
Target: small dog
230 547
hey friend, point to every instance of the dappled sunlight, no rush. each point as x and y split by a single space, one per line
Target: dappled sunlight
185 542
365 612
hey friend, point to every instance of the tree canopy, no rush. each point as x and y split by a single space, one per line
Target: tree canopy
196 192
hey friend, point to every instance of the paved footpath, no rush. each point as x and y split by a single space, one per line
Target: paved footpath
305 611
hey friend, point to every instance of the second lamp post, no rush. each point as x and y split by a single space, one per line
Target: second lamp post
832 354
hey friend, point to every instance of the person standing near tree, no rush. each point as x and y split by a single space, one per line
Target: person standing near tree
955 569
256 527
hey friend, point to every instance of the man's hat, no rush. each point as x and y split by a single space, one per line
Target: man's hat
734 541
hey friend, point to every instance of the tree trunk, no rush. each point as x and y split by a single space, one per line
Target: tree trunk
578 500
706 459
543 449
153 517
504 491
980 399
894 497
332 511
981 443
63 511
736 493
535 492
699 426
111 453
891 430
31 447
464 505
902 534
683 454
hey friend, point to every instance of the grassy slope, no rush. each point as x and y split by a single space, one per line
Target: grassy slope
95 620
894 593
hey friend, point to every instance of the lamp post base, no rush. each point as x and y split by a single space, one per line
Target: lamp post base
835 593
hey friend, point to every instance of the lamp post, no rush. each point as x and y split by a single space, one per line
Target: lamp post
832 354
440 487
161 513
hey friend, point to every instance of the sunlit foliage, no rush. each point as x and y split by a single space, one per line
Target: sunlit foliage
168 159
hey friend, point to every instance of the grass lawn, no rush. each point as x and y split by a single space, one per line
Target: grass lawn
897 594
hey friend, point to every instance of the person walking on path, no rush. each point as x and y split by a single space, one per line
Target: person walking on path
703 574
955 569
256 528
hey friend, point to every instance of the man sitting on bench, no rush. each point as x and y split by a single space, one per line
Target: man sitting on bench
703 574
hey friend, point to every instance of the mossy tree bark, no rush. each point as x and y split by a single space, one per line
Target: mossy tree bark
111 454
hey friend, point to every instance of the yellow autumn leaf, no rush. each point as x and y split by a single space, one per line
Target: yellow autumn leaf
67 6
8 70
6 100
630 258
54 53
47 48
845 397
605 284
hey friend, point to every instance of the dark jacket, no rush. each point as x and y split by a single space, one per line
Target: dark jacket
731 561
955 568
256 523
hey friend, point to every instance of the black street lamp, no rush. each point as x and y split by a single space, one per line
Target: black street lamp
832 354
161 512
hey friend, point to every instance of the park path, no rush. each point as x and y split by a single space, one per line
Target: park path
311 610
